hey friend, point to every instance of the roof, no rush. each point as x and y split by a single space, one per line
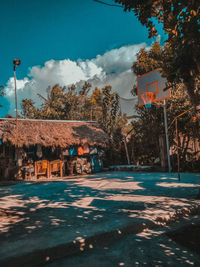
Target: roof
51 133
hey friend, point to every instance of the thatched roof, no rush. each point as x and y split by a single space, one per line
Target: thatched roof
51 133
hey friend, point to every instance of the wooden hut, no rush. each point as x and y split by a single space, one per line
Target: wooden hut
41 145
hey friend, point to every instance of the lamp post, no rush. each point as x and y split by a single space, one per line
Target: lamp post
16 62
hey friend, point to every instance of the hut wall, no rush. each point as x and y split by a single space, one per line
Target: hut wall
7 161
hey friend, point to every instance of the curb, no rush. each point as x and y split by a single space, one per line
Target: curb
44 256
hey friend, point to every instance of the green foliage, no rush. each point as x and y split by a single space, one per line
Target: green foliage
28 109
110 110
148 60
150 125
147 129
1 92
96 101
54 107
181 23
102 105
85 106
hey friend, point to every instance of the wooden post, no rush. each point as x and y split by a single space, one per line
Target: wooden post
61 173
126 149
178 158
48 171
166 136
35 170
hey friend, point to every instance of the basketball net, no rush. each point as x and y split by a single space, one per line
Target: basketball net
147 98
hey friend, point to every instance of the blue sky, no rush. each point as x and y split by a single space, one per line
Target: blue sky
39 31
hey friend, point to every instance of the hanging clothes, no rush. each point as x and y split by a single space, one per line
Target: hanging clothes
100 152
96 164
73 151
93 150
86 148
80 151
65 152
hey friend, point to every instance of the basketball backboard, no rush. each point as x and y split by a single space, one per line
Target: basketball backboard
152 82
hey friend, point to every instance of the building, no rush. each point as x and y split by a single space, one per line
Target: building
31 147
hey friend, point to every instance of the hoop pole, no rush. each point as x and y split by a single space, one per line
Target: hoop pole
166 136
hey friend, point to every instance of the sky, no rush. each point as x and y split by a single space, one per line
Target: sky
66 42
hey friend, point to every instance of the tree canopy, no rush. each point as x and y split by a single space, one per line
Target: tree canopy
181 23
146 145
101 105
1 92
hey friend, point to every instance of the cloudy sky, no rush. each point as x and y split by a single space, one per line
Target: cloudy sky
66 42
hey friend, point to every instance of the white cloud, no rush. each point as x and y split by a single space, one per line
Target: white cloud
64 72
112 68
118 60
9 90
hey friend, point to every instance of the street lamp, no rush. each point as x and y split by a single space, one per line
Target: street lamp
16 62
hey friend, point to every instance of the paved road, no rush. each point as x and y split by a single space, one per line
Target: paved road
41 221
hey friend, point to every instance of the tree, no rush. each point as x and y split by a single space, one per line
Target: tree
181 23
1 92
102 105
148 60
151 120
150 125
29 110
85 105
110 110
96 101
112 122
55 106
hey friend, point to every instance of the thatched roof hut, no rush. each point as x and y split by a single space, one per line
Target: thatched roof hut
51 133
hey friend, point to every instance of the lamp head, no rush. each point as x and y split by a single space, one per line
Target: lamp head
16 62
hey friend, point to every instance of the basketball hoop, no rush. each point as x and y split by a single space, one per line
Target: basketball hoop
151 88
153 82
147 98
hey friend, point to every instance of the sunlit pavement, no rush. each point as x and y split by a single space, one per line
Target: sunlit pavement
93 216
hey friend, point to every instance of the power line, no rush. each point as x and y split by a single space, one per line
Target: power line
107 4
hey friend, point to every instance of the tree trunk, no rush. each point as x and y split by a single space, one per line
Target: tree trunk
194 95
195 100
163 151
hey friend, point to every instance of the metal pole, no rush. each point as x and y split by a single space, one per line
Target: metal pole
166 136
16 105
16 62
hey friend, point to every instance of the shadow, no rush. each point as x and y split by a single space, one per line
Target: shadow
148 248
187 236
101 208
